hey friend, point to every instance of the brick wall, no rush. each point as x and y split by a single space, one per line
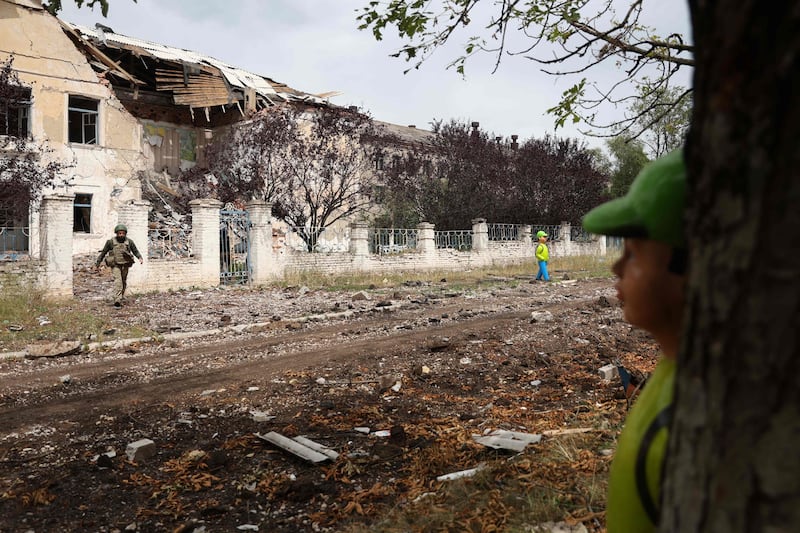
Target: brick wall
164 275
21 273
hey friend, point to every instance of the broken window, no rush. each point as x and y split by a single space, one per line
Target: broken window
82 213
15 107
82 120
378 160
188 140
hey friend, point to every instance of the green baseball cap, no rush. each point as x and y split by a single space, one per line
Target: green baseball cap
652 208
540 234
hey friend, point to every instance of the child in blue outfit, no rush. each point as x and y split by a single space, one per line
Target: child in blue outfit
542 256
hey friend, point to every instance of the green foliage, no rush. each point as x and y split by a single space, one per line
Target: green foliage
662 115
628 159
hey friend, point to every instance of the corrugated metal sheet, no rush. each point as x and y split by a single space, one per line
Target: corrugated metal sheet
234 76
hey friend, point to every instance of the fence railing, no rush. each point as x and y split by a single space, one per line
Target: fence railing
14 242
392 240
455 239
553 231
169 243
503 232
318 239
578 234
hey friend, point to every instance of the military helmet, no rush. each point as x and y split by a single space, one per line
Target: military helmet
121 227
652 208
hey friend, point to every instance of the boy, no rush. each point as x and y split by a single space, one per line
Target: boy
651 282
120 252
542 256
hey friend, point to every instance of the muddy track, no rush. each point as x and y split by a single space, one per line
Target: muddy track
157 374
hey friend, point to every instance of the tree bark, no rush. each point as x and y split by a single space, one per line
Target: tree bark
734 463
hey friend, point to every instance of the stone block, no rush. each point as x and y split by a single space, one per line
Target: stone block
140 450
608 372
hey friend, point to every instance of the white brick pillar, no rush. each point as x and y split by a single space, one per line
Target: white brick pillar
55 244
134 215
261 260
524 235
566 238
205 239
426 240
359 239
480 235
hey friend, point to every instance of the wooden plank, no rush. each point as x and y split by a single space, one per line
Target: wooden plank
293 447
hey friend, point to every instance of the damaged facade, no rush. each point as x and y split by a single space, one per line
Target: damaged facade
120 110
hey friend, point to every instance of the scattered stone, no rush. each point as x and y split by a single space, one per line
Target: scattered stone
53 349
260 416
252 389
43 321
321 381
302 291
542 316
110 331
65 379
208 392
294 326
384 303
460 474
390 381
608 372
439 344
603 302
465 360
421 370
140 450
361 296
362 429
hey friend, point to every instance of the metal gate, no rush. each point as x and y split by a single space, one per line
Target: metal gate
234 246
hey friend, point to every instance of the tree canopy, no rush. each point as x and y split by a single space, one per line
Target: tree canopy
465 173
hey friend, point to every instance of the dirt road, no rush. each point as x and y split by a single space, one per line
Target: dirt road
321 366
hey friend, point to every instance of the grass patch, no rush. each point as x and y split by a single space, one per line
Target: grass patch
43 319
578 267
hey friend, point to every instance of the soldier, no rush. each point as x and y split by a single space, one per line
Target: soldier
119 253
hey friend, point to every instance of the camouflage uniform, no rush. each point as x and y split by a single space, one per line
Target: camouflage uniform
119 255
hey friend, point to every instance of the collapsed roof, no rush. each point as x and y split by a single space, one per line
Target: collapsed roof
189 78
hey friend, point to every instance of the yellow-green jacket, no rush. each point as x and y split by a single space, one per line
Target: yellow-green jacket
542 253
634 486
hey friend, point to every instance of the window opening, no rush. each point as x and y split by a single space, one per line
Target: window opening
82 213
15 111
82 120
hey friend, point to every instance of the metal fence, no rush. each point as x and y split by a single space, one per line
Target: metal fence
392 240
318 239
503 232
578 234
553 231
455 240
169 243
14 242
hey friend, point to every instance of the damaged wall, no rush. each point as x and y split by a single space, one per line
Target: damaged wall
110 153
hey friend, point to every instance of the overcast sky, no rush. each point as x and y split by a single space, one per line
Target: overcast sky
315 46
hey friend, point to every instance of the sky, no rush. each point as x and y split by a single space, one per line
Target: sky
315 46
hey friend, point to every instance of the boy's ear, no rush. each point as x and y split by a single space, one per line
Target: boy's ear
678 261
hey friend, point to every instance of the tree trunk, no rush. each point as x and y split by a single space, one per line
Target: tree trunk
734 460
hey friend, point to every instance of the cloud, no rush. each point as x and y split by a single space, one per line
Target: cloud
315 46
